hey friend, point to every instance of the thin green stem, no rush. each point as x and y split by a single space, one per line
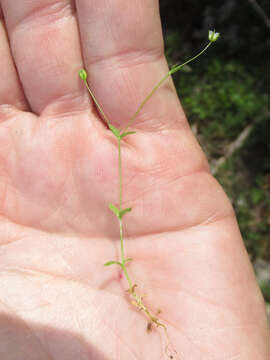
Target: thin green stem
145 101
123 260
172 71
122 242
96 102
120 174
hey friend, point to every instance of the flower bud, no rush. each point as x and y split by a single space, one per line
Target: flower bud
213 36
83 74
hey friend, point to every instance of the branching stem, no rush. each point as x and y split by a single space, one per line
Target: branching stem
119 211
96 102
155 88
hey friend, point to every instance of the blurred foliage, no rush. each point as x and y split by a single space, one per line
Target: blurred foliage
222 93
222 99
265 287
243 37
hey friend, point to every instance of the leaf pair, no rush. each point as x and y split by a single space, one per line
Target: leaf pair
117 133
117 212
108 263
112 262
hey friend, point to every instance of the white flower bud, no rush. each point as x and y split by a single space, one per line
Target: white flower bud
213 36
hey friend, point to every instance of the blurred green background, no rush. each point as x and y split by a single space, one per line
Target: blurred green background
226 96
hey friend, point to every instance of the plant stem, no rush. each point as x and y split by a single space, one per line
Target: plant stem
123 261
96 102
120 174
169 73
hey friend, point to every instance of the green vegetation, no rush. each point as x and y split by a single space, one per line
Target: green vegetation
221 99
227 93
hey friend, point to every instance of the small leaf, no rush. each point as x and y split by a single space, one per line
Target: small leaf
132 290
114 209
128 259
83 74
108 263
175 68
115 131
127 133
122 212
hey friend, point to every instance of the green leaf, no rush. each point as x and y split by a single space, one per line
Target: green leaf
83 74
114 209
108 263
175 68
122 212
127 133
115 131
128 259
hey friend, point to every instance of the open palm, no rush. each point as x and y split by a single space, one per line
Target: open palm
58 164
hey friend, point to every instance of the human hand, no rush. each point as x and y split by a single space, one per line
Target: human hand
59 172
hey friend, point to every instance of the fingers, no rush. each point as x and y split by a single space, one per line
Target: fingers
10 89
45 45
123 53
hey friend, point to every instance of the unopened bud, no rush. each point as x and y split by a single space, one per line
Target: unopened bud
83 74
213 36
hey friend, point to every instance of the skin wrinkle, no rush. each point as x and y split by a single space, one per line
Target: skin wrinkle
128 347
181 290
234 357
127 58
185 291
208 301
205 300
208 221
178 228
139 172
49 111
19 101
33 226
22 228
174 179
12 241
50 277
22 270
111 330
120 339
161 169
27 271
13 189
133 146
56 209
47 14
9 116
202 167
7 113
204 222
42 232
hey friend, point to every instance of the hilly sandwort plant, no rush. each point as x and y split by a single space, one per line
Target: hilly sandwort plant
119 211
